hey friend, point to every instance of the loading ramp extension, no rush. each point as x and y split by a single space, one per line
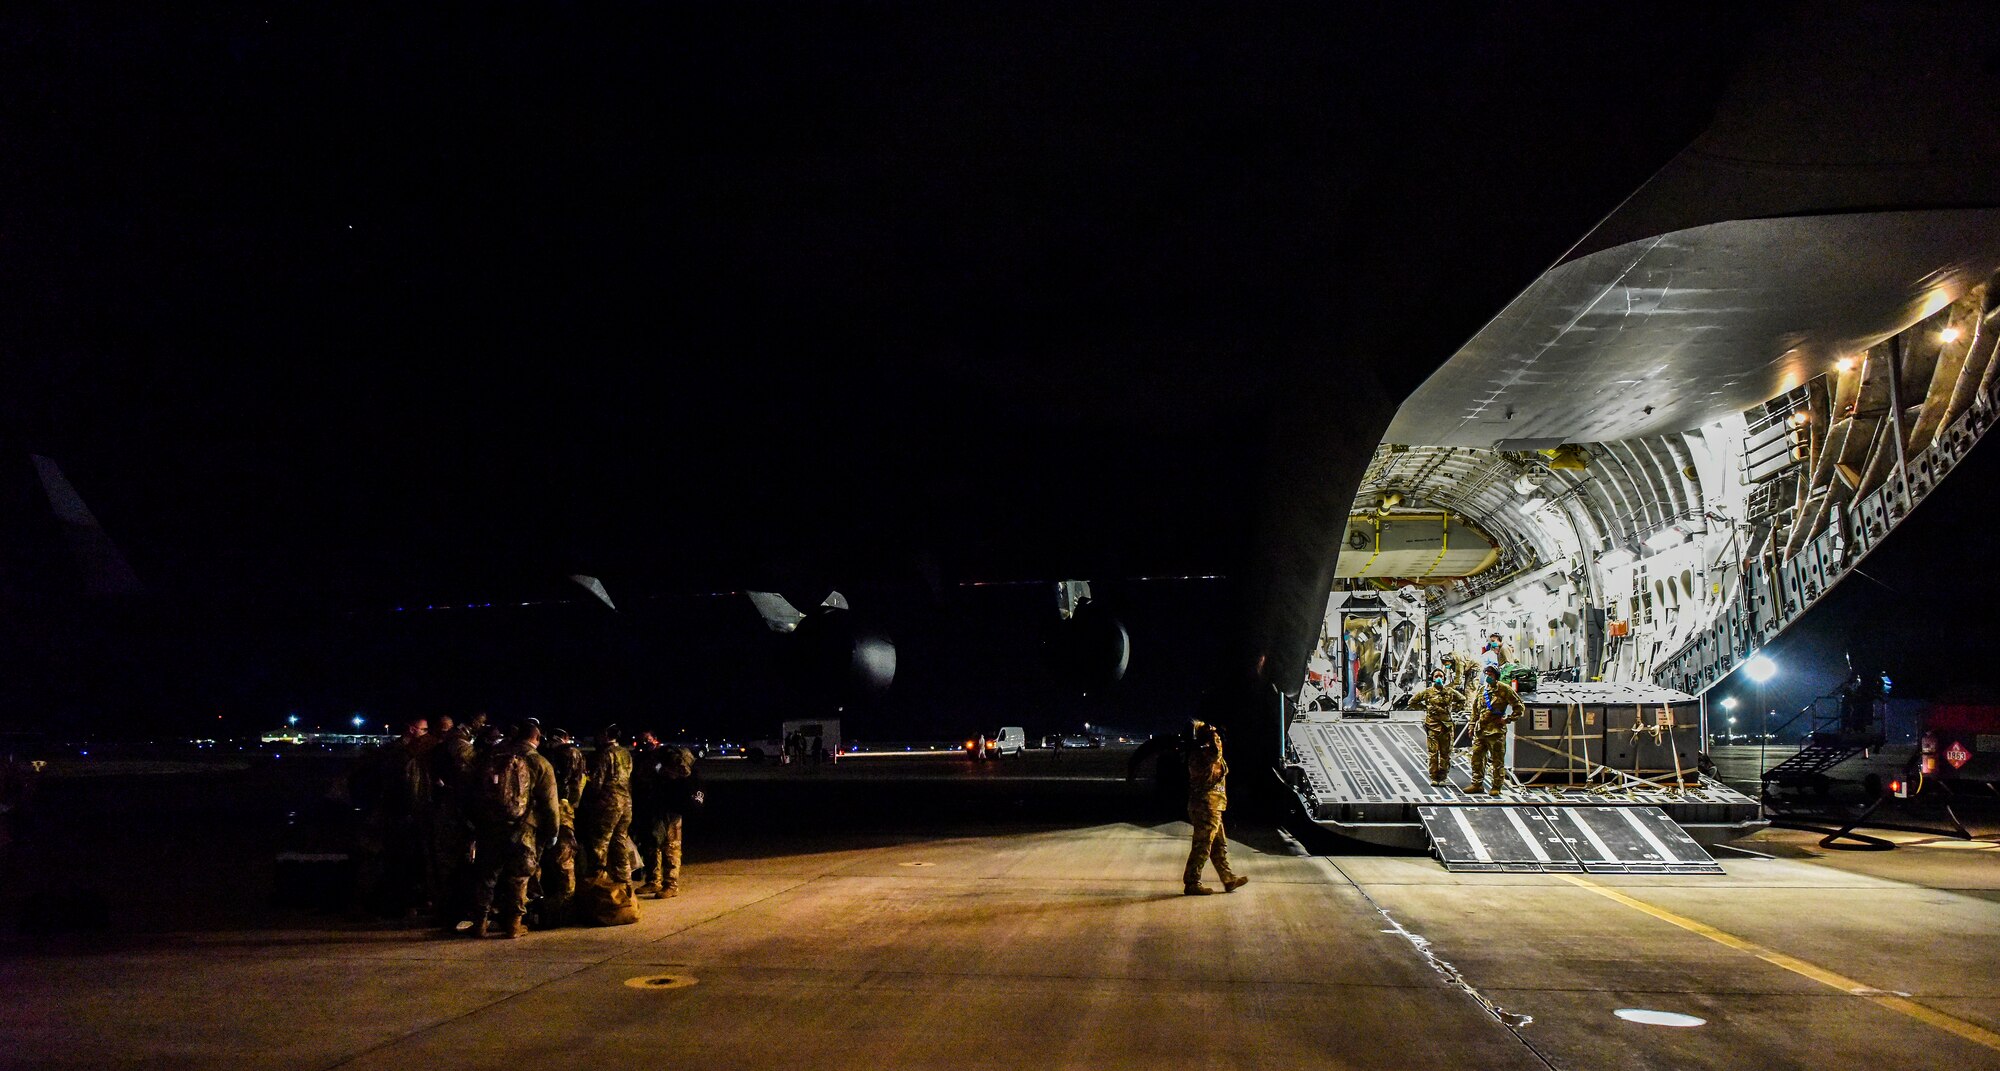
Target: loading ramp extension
1609 839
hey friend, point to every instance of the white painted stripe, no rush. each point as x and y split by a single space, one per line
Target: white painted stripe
1479 851
1534 842
1575 815
1637 821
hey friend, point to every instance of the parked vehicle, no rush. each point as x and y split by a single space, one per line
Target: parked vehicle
1010 740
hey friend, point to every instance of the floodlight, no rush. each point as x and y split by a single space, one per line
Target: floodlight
1760 668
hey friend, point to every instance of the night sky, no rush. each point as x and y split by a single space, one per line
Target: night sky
330 313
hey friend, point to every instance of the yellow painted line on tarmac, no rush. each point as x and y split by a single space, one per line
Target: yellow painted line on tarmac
1969 1031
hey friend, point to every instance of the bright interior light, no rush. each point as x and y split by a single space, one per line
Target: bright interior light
1845 364
1949 334
1534 504
1666 538
1760 669
1615 557
1799 418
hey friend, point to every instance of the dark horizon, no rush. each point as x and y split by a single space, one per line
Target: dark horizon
325 314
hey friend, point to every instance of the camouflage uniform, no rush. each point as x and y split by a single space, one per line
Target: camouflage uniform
1440 702
559 860
1463 674
607 812
506 850
451 828
1489 727
397 813
1207 799
675 791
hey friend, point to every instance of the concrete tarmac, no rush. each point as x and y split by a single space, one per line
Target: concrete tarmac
1053 946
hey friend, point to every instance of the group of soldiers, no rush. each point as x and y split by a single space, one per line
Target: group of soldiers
480 824
1462 687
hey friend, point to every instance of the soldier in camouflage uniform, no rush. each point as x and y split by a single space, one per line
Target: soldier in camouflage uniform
1489 727
1462 673
512 777
559 861
1440 701
451 827
606 813
559 856
676 793
1207 799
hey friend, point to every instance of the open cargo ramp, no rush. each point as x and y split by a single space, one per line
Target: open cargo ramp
1629 840
1488 838
1496 840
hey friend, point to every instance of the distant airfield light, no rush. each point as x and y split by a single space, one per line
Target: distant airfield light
1729 703
357 721
1760 668
1949 334
293 720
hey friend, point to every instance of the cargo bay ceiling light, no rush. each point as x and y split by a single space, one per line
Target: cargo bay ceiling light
1949 334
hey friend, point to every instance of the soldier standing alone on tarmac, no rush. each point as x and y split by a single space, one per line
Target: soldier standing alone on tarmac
607 808
676 793
514 816
1207 799
1439 701
1490 719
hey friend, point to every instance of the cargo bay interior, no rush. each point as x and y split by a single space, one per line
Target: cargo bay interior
1646 468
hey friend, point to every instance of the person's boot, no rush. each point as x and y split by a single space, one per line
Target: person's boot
1235 883
482 928
668 890
1198 889
650 890
508 930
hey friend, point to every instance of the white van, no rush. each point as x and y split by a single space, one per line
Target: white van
1010 740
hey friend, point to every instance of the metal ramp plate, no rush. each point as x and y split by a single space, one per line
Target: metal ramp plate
1488 839
1628 840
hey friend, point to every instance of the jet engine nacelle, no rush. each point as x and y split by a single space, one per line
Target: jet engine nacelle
1089 650
833 655
829 653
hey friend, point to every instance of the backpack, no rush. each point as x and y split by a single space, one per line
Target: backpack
603 902
1523 678
505 783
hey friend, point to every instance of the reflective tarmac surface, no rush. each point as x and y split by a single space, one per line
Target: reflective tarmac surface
1018 940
